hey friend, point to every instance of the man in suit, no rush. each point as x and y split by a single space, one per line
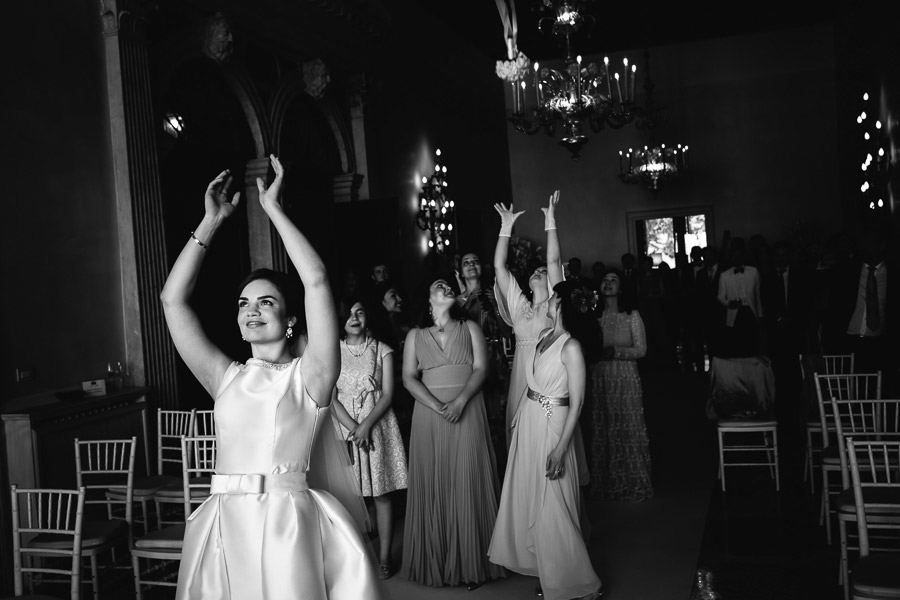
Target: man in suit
787 302
739 293
696 286
859 310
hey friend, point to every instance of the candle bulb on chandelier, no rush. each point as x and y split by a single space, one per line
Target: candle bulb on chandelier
537 85
621 166
578 77
608 84
633 75
618 88
625 75
524 103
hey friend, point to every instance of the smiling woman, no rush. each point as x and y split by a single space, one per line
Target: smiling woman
272 447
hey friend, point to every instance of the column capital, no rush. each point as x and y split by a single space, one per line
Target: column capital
115 12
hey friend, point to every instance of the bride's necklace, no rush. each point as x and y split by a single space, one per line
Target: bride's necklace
441 328
361 352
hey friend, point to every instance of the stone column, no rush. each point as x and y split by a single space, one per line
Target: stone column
150 355
261 249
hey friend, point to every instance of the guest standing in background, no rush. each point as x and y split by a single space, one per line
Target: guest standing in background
527 317
739 293
858 319
453 487
620 458
364 391
478 301
539 530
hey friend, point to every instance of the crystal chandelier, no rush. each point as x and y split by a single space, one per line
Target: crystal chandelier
437 212
654 163
580 92
651 165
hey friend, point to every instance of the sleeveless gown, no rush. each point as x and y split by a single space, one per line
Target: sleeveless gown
527 322
539 529
263 533
453 489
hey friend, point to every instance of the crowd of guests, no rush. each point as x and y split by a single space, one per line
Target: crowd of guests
499 402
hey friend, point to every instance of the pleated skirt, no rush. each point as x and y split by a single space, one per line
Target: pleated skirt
541 525
453 490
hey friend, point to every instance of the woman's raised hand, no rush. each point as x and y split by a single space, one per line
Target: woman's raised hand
216 202
270 197
550 211
507 218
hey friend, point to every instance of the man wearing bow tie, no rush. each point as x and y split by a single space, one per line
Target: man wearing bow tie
739 294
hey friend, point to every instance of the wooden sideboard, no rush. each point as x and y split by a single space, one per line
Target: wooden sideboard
37 446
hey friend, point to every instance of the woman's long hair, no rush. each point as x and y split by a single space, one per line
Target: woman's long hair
576 310
626 303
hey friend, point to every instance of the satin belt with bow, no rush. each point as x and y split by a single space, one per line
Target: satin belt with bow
255 483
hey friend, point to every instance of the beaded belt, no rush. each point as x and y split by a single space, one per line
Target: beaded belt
255 483
547 402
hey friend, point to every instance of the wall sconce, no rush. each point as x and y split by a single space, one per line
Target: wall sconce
173 124
437 212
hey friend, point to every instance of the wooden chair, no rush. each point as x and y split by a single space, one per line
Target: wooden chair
204 423
163 546
170 426
875 474
47 532
750 453
102 466
810 364
852 386
862 420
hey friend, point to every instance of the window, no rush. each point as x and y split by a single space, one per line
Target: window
664 234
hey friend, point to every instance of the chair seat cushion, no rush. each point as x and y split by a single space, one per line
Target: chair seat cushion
877 576
147 486
738 423
168 537
93 534
847 503
177 491
100 533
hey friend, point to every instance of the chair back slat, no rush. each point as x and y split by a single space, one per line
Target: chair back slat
107 465
847 386
171 425
47 511
199 464
874 466
204 423
863 419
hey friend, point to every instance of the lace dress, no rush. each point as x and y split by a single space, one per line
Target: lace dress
620 468
381 468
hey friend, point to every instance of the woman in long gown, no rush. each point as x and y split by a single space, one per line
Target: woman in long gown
620 456
480 305
539 529
528 318
264 532
453 489
365 390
